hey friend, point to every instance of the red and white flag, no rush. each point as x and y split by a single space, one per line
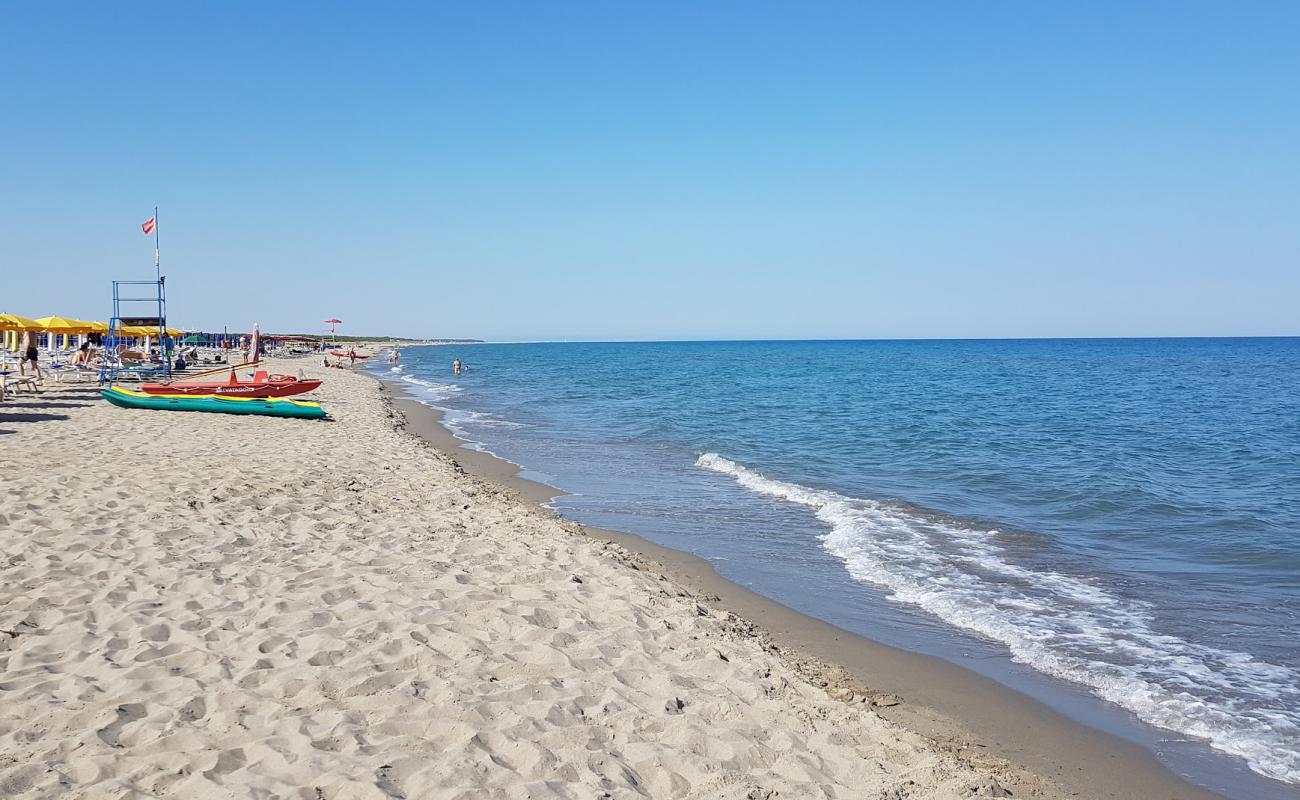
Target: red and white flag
147 227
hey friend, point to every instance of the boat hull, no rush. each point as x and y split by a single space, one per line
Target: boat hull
217 404
249 389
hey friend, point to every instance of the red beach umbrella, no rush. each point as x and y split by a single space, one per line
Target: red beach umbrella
255 344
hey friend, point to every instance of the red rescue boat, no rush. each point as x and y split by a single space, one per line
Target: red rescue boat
262 385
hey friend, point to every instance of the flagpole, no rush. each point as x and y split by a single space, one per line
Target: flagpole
157 261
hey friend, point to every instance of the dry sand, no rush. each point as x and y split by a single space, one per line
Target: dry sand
210 606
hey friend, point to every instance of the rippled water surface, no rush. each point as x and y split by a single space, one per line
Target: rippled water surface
1123 515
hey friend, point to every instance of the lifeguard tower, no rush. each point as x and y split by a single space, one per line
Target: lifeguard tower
138 306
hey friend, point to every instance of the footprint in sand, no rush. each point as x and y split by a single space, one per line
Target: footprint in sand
127 713
195 709
272 644
387 783
157 633
227 762
326 658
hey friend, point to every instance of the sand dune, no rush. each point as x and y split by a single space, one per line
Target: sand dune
204 606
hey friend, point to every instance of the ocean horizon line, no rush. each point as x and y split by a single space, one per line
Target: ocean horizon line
1229 337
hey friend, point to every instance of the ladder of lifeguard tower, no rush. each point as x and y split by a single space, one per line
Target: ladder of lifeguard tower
136 304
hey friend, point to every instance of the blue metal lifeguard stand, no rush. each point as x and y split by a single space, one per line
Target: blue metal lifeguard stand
139 304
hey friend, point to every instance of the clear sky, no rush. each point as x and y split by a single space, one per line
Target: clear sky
665 170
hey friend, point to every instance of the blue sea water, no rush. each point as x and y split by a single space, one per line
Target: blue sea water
1120 515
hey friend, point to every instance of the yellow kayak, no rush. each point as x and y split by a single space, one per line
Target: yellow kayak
265 406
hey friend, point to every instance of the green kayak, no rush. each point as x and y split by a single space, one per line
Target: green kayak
266 406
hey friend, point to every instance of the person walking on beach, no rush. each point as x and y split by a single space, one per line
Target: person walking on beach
455 365
30 354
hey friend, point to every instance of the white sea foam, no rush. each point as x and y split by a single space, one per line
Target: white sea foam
456 421
439 390
1059 624
485 420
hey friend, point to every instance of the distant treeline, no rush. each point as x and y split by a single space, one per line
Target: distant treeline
348 338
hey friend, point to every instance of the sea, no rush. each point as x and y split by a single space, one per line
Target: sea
1109 525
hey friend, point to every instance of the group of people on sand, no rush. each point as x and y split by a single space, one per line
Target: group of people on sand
393 358
31 353
351 357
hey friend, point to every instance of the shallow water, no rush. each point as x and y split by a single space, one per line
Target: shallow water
1123 515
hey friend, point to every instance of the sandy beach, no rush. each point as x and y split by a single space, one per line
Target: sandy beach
204 606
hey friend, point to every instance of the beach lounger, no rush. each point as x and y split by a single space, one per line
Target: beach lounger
76 373
13 384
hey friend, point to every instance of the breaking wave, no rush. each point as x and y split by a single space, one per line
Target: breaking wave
1059 624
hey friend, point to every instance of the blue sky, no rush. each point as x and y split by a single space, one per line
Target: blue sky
660 170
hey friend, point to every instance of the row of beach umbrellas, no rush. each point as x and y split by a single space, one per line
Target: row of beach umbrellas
67 325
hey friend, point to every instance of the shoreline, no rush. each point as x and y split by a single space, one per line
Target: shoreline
336 609
357 611
961 711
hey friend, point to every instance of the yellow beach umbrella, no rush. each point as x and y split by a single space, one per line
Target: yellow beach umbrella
88 326
13 322
62 325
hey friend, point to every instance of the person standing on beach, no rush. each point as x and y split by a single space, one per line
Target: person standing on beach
455 365
30 353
